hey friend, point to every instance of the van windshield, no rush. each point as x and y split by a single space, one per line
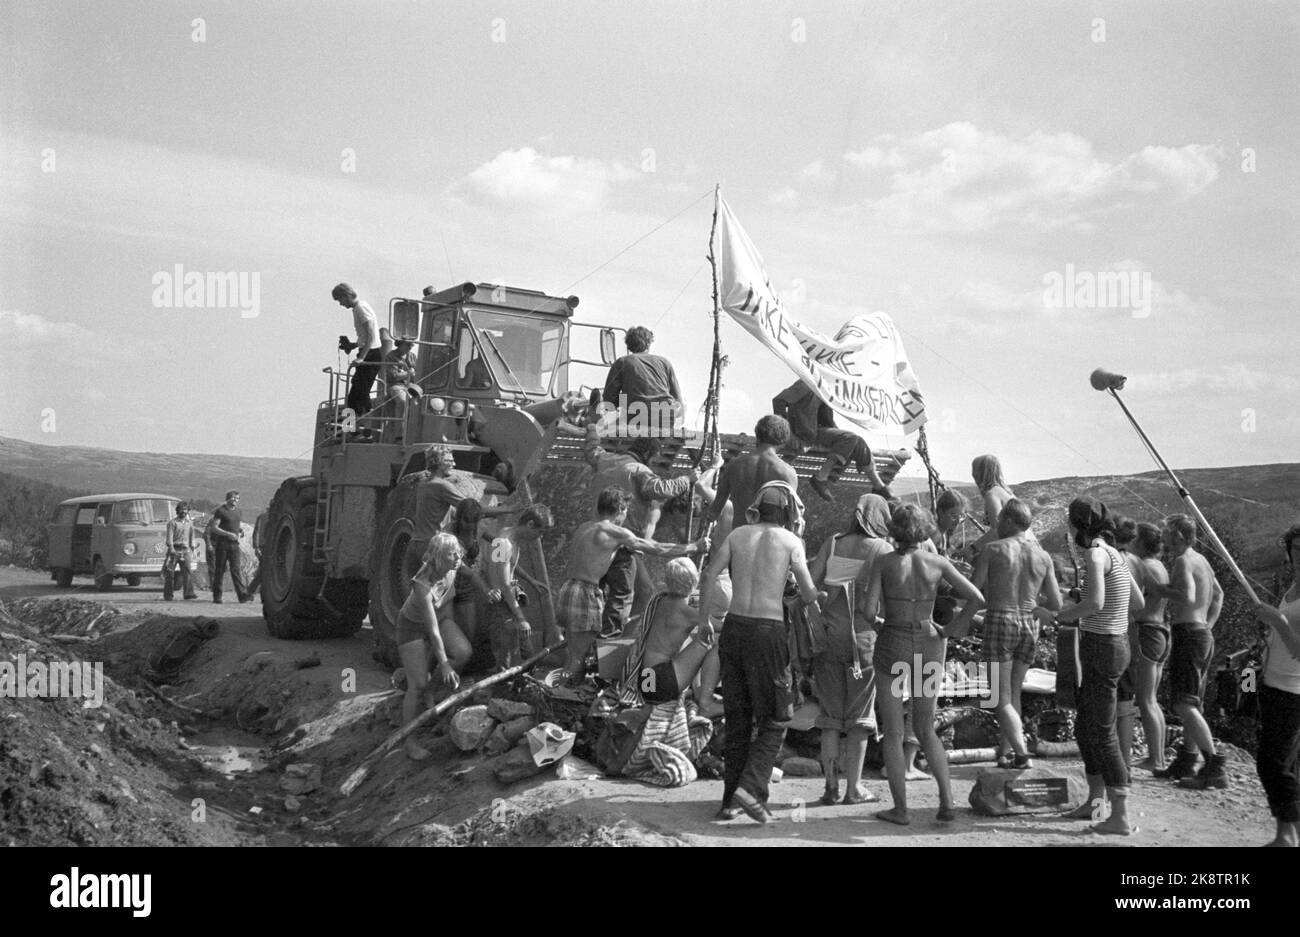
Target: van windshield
144 511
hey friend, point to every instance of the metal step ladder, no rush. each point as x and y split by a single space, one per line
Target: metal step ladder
320 548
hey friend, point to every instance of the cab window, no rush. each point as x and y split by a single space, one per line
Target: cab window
132 512
64 514
103 515
86 515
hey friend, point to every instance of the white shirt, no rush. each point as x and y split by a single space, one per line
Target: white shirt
363 317
1282 672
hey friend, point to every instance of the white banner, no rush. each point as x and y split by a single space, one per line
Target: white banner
862 373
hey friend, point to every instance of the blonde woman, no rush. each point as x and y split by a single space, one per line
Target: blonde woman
420 629
986 472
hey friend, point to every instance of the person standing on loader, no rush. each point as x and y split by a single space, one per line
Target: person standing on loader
369 353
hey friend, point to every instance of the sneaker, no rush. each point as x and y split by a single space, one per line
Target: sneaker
1214 774
1184 766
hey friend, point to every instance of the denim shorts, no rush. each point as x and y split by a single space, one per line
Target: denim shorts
1189 663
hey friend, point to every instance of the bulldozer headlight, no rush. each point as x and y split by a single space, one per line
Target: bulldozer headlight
437 404
129 548
457 408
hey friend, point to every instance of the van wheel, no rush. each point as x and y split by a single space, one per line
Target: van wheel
133 579
63 577
103 578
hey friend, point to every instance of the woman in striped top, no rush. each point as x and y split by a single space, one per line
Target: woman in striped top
1109 594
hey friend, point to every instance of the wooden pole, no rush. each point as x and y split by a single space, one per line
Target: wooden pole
356 777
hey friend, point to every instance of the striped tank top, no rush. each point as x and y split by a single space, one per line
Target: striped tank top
1113 617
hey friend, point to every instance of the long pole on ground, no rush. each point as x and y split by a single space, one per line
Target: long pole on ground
356 777
1112 384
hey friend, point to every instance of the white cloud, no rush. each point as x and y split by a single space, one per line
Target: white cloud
816 171
961 178
787 197
532 180
32 330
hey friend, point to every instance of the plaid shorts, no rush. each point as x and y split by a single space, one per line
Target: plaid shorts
579 606
1009 634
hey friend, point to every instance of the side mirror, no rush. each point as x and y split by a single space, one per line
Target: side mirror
406 321
608 348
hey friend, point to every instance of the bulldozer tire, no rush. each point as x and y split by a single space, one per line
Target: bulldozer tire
393 564
293 603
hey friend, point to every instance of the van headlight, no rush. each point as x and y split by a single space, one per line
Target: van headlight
437 404
129 548
457 408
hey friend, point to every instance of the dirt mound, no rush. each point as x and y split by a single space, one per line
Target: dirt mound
67 616
73 774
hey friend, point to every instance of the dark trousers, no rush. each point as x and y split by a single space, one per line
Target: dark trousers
619 583
756 701
223 554
1104 658
181 572
363 380
1278 757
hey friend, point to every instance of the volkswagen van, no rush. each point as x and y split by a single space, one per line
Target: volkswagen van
111 536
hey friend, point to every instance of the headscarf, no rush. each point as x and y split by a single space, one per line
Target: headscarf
1091 519
781 494
872 513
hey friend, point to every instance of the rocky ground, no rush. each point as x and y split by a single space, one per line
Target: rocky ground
204 758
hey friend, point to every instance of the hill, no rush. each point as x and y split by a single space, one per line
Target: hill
201 478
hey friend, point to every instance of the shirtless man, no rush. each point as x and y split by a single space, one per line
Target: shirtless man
1152 646
511 632
753 648
742 477
663 665
580 605
419 630
1195 600
1013 572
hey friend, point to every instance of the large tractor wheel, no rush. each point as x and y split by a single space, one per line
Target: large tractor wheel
292 601
394 562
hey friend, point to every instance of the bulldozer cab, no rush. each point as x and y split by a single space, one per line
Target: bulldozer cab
493 344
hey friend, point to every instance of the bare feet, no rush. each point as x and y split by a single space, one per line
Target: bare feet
893 815
711 709
416 752
913 774
946 814
831 796
859 795
1086 810
727 813
1150 764
1114 826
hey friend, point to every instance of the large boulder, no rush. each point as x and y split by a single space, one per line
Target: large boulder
471 727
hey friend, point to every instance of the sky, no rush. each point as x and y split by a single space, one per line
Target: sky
944 163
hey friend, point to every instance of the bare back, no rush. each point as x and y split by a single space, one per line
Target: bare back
673 621
912 576
1191 564
592 548
746 474
1148 570
760 556
1017 570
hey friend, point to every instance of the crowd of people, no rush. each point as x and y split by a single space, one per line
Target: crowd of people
881 599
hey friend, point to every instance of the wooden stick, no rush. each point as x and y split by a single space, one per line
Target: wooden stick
356 777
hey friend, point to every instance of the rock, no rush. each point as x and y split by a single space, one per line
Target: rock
516 729
777 775
95 750
471 727
497 743
259 660
292 804
153 723
504 710
1038 790
515 766
301 778
799 767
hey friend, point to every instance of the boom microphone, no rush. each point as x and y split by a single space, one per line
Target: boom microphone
1102 379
